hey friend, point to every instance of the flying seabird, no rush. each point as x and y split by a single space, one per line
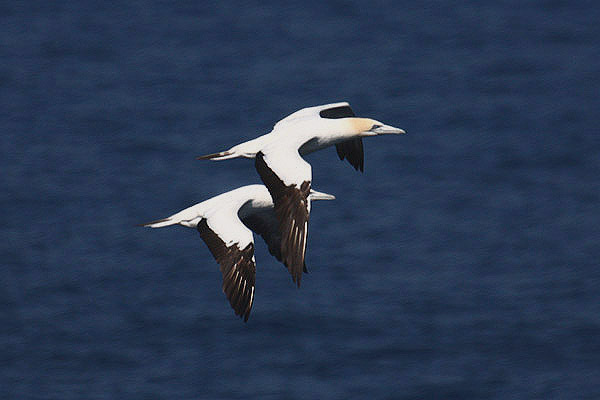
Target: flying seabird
279 162
226 222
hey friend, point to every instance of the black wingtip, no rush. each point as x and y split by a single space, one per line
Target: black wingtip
353 151
337 112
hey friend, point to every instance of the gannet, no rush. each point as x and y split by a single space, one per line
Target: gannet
311 129
226 222
279 162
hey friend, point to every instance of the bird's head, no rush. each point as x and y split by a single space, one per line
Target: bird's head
371 127
314 195
341 115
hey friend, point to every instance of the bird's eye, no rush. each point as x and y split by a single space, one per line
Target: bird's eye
375 127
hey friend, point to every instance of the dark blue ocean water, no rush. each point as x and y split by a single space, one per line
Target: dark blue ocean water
463 264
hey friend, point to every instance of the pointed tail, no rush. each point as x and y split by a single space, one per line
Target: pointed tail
159 223
223 155
187 217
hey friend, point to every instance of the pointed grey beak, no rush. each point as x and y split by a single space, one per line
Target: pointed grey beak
386 130
314 195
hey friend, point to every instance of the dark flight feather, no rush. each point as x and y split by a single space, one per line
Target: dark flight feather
237 267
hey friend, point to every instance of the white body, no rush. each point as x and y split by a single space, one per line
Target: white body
219 221
301 133
306 131
223 213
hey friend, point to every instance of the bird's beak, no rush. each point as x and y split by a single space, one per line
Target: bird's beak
314 195
386 130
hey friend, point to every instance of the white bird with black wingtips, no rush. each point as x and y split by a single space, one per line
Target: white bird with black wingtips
225 223
279 162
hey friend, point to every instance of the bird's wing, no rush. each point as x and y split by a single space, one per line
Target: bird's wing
336 110
325 111
265 224
287 177
232 245
351 149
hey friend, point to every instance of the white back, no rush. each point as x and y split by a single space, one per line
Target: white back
287 163
221 212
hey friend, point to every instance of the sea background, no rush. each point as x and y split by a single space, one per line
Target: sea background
463 263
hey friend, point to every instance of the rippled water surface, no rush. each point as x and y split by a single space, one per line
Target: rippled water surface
462 264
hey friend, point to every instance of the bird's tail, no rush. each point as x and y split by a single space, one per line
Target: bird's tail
245 150
188 217
159 223
223 155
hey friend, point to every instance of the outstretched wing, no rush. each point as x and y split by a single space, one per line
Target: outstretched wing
265 224
234 251
287 177
332 110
